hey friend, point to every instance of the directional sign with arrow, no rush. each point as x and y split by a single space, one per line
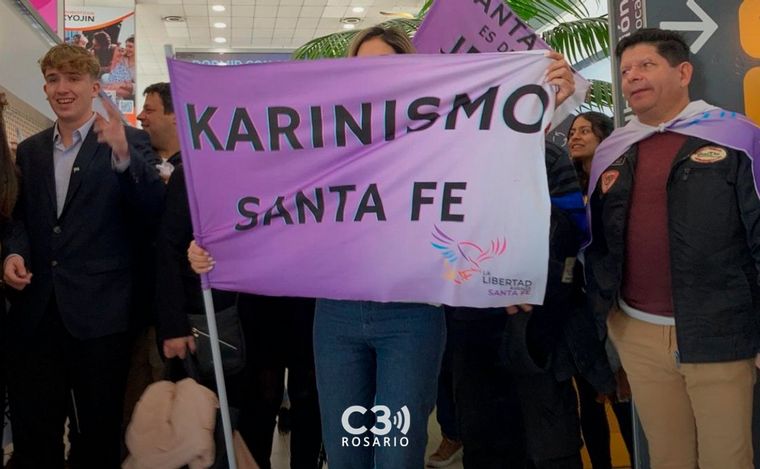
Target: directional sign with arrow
705 25
711 27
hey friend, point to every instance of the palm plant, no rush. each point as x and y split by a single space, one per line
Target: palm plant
578 38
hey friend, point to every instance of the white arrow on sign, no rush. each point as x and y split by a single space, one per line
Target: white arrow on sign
706 24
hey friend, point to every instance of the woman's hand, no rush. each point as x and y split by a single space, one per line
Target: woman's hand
512 310
200 261
179 346
560 74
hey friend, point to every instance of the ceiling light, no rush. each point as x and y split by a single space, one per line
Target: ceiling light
220 25
218 8
349 26
358 9
173 19
220 40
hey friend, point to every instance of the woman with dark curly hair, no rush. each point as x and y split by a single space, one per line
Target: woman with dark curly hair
587 131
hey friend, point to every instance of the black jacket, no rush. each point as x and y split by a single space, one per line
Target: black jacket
84 258
714 231
144 274
179 288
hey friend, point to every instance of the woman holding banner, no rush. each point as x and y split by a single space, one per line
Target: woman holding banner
377 363
387 354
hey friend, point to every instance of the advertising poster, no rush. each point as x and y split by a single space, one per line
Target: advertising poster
109 34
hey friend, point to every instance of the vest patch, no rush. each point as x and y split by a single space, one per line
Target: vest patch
609 178
707 155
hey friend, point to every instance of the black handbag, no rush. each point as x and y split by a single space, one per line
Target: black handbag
231 342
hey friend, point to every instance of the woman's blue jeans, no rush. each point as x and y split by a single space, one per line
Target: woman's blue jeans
377 354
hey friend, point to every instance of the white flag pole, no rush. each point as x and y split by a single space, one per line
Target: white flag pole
221 389
216 353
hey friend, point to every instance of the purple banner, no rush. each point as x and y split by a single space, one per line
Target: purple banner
459 26
414 178
464 27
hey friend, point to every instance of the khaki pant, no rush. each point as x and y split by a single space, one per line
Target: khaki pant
693 415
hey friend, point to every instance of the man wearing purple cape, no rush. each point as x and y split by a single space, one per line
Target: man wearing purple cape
674 258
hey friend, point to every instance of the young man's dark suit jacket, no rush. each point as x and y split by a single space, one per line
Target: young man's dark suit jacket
84 257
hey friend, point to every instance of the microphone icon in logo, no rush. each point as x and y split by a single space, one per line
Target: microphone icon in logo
401 420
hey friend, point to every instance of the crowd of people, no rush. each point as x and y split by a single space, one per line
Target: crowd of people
100 268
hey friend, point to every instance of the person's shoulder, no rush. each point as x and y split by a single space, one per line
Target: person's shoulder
41 135
34 142
137 136
134 131
140 141
553 149
175 159
179 171
556 154
176 183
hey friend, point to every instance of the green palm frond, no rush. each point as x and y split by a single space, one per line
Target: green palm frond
575 39
546 11
336 44
423 11
330 46
408 25
580 38
599 97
